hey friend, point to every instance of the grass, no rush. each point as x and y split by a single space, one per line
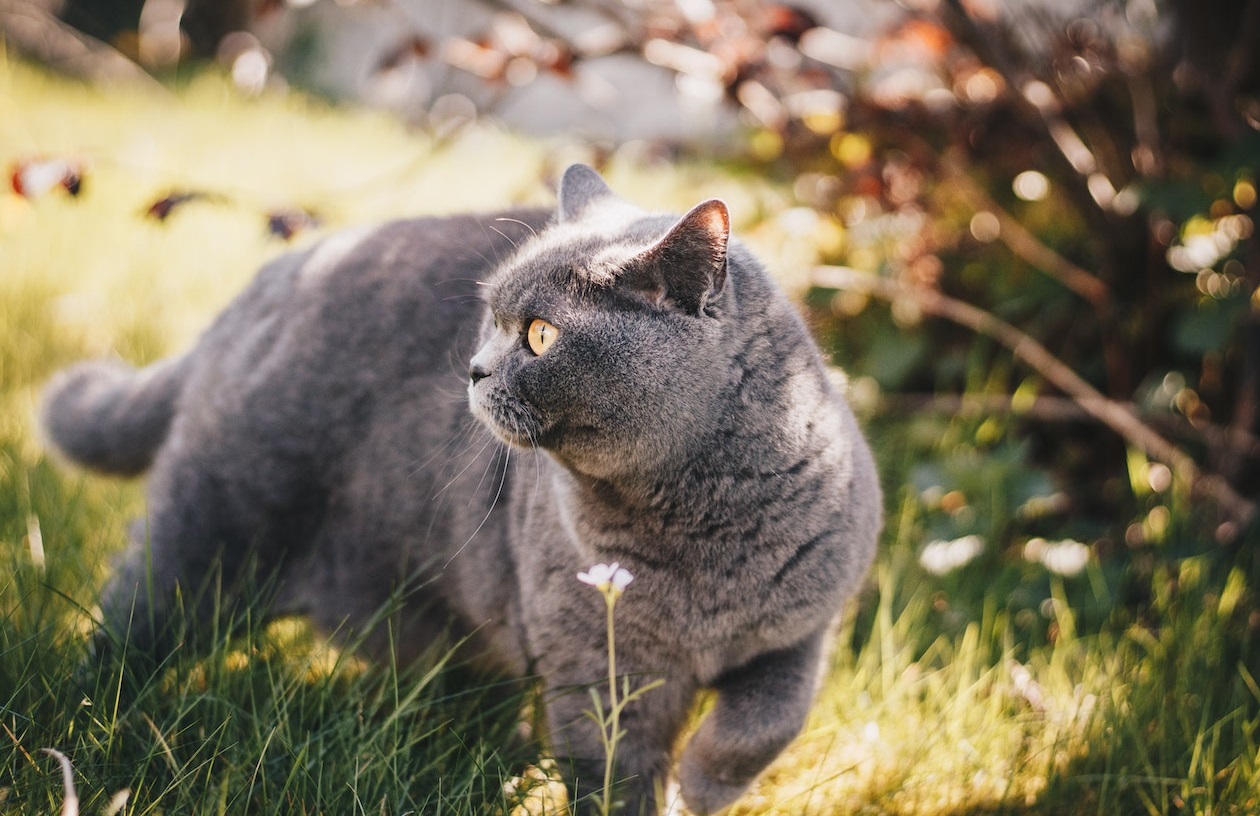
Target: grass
999 687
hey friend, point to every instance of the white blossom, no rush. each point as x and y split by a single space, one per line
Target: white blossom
941 557
603 576
1066 557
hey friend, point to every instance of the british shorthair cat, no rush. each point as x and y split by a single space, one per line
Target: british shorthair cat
640 393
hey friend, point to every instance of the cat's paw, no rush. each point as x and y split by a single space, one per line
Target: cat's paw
705 792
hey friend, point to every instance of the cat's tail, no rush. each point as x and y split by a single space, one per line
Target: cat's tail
110 417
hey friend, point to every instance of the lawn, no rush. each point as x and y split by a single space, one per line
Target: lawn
1123 684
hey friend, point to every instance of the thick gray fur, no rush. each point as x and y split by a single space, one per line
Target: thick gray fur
682 425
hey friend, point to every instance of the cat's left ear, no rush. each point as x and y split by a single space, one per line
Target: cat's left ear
580 186
688 266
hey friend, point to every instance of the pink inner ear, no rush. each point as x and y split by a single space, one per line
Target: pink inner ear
715 219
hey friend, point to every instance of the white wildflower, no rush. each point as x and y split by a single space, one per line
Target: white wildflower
1067 557
941 557
603 576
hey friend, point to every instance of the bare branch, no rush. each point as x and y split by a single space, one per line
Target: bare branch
1218 438
1026 245
1116 415
1036 103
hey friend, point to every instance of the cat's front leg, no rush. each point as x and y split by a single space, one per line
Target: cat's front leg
760 708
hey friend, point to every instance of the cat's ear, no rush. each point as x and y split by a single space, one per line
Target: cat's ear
579 188
688 266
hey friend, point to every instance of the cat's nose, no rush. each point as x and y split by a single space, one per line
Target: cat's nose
477 373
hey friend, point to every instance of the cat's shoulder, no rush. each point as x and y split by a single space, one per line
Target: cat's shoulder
480 238
396 256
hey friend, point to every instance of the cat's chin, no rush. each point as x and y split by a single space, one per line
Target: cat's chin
511 436
511 439
547 437
509 422
509 433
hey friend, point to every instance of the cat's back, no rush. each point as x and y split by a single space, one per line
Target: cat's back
408 282
364 312
340 363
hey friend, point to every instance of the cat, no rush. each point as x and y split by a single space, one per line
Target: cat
471 410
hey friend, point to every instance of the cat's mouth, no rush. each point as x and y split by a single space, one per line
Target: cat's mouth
511 420
521 425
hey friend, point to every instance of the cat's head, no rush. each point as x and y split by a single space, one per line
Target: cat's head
603 336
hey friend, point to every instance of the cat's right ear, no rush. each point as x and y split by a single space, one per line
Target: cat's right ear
580 187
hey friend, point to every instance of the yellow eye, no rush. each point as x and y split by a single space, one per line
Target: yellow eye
541 335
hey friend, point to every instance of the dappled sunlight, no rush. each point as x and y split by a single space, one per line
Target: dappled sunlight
1063 614
289 644
216 166
120 272
538 791
946 734
951 734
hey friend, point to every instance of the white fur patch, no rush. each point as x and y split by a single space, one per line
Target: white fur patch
610 219
330 252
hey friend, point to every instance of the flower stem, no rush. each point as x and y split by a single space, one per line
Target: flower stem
614 710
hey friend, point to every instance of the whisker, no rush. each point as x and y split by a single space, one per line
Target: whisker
498 494
472 460
504 234
481 483
532 231
537 467
447 447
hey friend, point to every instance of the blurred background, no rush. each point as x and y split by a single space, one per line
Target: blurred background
1081 175
1025 230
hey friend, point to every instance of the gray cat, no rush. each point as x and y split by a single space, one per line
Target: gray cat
662 406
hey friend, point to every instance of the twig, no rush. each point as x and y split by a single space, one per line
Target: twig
1043 409
17 744
1065 409
1116 415
1025 245
991 43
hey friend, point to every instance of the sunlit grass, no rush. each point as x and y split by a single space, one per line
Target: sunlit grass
1130 722
1147 713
